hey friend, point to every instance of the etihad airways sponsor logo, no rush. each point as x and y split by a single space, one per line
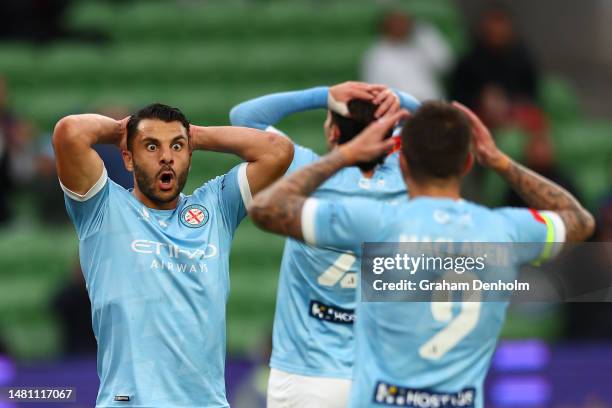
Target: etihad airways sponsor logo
143 246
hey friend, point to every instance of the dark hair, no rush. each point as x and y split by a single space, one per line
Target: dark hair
361 115
436 141
159 111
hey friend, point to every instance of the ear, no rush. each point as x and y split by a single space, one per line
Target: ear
467 166
128 161
334 134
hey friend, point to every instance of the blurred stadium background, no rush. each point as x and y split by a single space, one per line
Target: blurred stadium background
62 57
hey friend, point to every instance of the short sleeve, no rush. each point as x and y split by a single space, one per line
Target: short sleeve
531 226
234 195
302 157
86 211
341 224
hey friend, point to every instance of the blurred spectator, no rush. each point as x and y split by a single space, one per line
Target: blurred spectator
497 59
40 21
73 308
7 126
37 20
49 195
410 56
50 198
19 164
540 157
5 180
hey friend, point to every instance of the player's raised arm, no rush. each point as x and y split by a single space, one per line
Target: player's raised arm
268 110
537 191
268 154
279 207
78 165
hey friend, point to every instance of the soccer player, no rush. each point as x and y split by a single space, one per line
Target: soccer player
155 261
391 364
313 342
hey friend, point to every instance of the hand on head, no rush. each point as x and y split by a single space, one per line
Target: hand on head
486 151
381 95
371 142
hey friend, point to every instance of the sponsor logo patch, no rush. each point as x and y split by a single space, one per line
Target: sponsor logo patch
194 216
332 314
397 396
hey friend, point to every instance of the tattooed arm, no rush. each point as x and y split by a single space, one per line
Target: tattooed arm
543 194
537 191
279 207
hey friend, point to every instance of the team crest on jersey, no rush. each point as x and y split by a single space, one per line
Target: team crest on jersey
194 216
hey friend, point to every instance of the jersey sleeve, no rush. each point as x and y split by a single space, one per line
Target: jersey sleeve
268 110
86 211
343 224
233 196
532 226
407 101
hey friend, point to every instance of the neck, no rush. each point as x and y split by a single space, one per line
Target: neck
367 174
437 189
170 205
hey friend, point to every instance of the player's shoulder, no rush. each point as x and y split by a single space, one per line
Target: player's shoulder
110 190
302 156
304 152
219 184
379 210
451 208
209 187
498 217
117 189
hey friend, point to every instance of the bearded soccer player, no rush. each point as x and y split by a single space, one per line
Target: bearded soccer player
408 353
155 261
313 342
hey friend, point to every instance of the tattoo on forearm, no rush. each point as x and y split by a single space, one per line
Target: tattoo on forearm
543 194
279 207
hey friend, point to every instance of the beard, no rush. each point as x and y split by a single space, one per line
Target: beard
147 184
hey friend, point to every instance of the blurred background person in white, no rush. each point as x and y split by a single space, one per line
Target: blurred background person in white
410 56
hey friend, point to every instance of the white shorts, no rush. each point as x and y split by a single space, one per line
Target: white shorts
287 390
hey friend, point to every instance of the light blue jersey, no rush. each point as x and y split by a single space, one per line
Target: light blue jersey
315 304
158 283
394 367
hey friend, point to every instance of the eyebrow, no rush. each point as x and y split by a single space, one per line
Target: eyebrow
150 139
176 138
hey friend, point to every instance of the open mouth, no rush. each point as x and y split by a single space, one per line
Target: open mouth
166 180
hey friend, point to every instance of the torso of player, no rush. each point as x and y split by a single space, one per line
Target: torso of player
158 283
385 185
413 364
158 254
313 332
